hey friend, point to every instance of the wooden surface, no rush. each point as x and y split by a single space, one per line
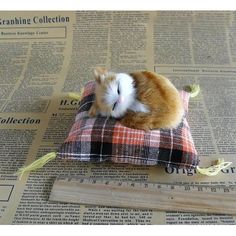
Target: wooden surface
166 197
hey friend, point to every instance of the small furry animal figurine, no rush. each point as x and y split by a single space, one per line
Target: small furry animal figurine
141 100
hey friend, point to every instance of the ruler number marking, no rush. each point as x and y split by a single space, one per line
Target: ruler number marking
187 188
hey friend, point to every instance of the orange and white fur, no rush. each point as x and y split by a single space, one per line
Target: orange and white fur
141 100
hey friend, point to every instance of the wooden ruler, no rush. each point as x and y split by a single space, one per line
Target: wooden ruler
156 196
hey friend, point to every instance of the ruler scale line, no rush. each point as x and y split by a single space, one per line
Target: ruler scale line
156 196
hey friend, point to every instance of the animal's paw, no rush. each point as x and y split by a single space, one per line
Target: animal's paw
134 125
92 111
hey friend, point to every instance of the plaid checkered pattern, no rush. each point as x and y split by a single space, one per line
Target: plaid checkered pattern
105 139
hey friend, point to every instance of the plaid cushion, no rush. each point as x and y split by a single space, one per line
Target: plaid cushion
105 139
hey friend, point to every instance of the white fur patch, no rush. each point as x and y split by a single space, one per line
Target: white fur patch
121 96
121 87
139 107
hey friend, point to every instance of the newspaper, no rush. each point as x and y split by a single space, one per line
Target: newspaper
45 55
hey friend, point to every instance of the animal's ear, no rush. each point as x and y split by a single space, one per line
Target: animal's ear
99 74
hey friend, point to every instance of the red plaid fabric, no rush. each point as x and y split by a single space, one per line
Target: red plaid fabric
105 139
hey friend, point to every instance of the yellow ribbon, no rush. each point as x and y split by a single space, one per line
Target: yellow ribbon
214 169
37 164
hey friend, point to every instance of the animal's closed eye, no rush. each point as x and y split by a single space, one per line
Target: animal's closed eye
118 89
114 106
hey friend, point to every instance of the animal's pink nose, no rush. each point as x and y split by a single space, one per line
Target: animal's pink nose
120 99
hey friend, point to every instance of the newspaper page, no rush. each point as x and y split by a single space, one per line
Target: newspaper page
45 55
